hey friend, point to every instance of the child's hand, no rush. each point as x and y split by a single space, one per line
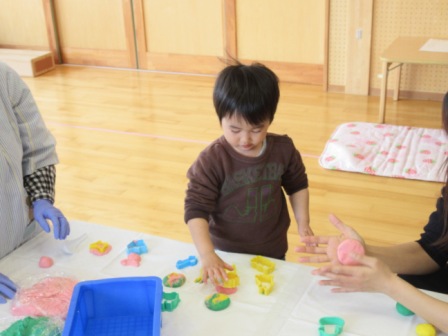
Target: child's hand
306 231
213 268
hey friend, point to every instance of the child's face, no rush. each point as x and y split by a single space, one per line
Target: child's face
246 139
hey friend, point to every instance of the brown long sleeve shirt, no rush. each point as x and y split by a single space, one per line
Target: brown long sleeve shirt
243 198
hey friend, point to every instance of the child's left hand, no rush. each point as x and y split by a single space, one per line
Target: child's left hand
307 232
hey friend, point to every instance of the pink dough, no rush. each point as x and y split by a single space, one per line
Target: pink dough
48 297
133 259
225 290
346 247
45 262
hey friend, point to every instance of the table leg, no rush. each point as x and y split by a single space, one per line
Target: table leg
397 82
383 93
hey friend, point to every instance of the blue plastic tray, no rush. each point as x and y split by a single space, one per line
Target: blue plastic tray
115 307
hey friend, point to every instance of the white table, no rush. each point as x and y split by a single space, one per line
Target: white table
293 308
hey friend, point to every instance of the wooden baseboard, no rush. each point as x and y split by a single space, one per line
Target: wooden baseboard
417 95
412 95
302 73
336 88
28 63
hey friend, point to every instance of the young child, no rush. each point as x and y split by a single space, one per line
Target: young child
235 200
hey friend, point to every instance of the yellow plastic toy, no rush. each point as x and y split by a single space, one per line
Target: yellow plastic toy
233 280
100 248
230 285
265 283
262 264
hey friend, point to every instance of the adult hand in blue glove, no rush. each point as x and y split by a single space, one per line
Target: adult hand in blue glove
7 288
43 210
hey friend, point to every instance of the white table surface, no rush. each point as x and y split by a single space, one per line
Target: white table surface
293 308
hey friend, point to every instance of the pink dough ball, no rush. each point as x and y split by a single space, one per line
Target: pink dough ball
45 262
349 246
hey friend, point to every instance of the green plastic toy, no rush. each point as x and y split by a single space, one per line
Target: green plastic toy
170 301
403 310
331 326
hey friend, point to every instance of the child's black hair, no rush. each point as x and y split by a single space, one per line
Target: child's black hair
249 91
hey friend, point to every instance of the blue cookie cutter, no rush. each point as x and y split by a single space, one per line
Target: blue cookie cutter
190 261
137 246
331 326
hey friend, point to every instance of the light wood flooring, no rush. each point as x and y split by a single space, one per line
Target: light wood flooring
126 139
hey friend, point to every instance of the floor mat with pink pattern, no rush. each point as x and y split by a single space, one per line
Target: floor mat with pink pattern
387 150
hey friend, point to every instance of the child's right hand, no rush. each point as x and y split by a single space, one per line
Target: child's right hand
214 268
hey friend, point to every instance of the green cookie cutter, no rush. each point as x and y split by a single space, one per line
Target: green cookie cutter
170 301
331 326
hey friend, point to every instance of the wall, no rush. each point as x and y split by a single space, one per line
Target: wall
193 36
173 36
196 35
22 24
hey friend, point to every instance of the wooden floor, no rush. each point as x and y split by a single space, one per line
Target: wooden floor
126 139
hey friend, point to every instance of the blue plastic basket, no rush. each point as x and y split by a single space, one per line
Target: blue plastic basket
115 307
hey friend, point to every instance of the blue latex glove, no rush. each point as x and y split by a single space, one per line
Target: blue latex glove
7 288
43 210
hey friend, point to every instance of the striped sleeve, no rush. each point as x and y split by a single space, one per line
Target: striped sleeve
38 144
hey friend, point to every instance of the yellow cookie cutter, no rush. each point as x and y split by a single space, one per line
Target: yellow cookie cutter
265 283
262 264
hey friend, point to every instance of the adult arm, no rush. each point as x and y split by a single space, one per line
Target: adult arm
373 275
40 187
38 144
39 154
407 258
41 184
430 309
